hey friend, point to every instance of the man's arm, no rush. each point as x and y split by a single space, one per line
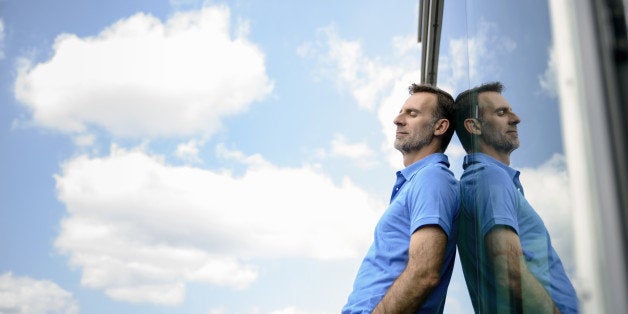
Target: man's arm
512 275
422 274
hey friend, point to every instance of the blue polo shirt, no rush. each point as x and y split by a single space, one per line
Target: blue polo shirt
426 193
492 195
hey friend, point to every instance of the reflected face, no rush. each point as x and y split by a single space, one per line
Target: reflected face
415 122
498 122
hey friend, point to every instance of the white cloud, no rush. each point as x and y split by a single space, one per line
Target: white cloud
30 296
455 153
220 310
84 140
458 300
471 59
288 310
140 229
293 310
188 152
547 190
455 150
360 153
1 39
341 147
548 80
141 77
344 62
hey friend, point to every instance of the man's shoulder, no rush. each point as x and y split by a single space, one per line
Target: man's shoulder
434 171
485 171
434 179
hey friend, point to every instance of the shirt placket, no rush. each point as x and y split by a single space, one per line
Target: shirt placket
398 184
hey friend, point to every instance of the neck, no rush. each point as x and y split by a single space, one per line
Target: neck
414 156
501 156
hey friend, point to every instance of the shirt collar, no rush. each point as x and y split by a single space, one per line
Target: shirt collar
412 169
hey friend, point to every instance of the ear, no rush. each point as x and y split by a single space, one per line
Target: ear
473 126
441 126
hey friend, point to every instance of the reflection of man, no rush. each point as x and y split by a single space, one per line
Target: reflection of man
507 257
408 267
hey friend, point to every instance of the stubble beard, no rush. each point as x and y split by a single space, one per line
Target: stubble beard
499 142
415 143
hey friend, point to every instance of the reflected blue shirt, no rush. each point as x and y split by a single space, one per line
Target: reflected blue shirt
492 195
426 193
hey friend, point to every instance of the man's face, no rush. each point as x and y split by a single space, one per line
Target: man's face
415 122
498 122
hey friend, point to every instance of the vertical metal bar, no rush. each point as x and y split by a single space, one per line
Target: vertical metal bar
420 26
425 39
430 22
436 27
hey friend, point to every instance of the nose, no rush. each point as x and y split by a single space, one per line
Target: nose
515 119
398 121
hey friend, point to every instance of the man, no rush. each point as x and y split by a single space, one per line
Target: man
409 265
507 257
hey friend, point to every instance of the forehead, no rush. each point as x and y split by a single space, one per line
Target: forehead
421 101
492 100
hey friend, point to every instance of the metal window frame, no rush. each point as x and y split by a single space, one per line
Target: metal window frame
592 75
430 26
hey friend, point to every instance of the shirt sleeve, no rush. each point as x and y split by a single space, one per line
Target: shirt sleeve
495 199
433 199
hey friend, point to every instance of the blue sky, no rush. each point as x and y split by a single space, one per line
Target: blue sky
233 157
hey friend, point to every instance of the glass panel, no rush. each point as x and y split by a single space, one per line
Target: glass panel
516 229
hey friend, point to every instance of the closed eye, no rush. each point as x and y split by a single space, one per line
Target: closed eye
501 111
410 112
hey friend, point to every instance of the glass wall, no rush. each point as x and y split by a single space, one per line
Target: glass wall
561 70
